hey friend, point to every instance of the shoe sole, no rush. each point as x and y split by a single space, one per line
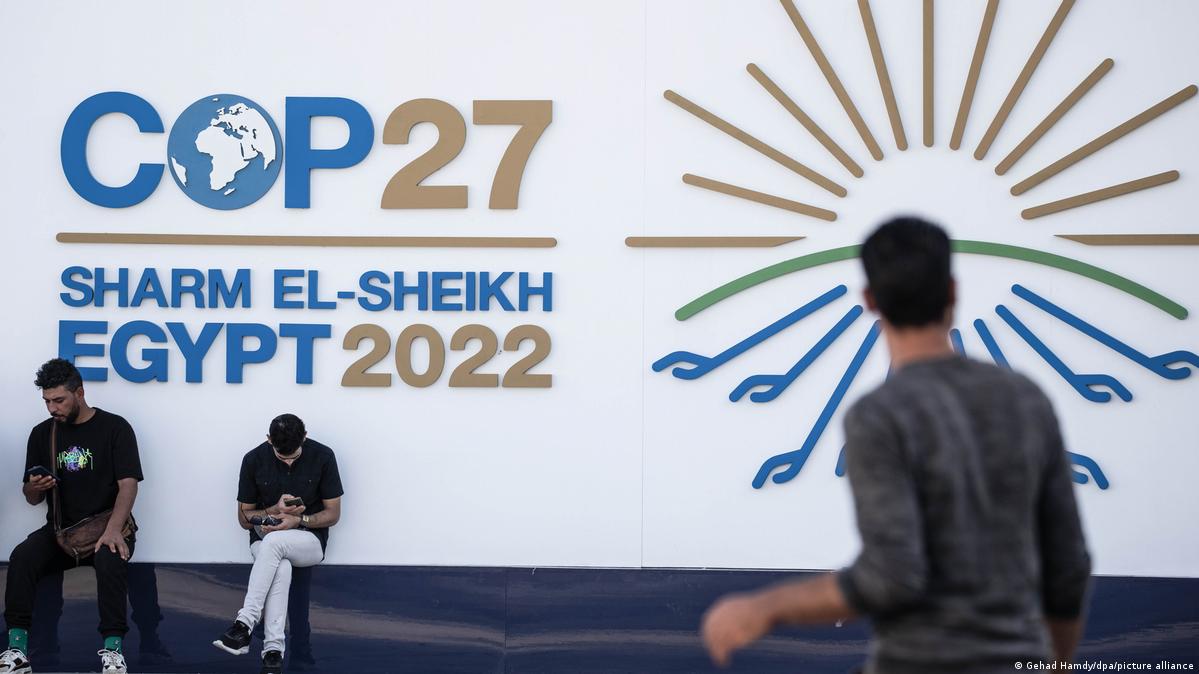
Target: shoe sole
240 651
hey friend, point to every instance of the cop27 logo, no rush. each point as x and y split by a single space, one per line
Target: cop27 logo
1092 387
225 151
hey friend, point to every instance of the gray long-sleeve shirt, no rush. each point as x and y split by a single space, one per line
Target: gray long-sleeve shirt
970 532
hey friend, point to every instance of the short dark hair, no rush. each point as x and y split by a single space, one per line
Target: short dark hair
58 372
907 269
287 433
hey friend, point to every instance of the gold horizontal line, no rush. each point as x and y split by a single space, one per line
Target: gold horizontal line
709 241
1133 239
321 241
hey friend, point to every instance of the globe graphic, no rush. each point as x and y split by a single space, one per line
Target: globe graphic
224 151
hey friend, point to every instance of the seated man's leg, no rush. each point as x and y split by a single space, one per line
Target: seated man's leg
47 611
274 617
299 548
112 591
32 559
297 616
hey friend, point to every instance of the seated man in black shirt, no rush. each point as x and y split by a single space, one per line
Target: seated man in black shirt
288 496
86 459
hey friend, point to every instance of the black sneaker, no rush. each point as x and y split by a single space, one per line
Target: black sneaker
235 640
272 663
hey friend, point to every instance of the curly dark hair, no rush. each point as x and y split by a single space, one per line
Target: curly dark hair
287 433
58 372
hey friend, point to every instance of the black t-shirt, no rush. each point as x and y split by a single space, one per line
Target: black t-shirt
313 477
91 457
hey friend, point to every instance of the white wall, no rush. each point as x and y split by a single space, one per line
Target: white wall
615 465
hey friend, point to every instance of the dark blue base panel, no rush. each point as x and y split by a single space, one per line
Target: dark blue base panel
366 619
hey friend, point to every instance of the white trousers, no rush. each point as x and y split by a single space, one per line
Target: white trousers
270 580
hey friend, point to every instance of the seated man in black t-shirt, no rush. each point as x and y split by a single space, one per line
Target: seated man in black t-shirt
288 495
86 459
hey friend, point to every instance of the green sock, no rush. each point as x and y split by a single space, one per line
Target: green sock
112 644
18 639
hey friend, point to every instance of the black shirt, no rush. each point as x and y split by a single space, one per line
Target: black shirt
91 457
313 477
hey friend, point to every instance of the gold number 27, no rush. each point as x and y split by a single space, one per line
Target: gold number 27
405 189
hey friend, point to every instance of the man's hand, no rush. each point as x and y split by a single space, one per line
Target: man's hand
289 522
733 623
281 509
114 541
37 486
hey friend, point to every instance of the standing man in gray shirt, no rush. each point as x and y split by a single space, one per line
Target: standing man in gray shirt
972 554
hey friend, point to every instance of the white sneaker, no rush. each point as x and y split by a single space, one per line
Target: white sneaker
113 662
13 661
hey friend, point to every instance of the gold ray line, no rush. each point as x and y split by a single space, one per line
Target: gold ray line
928 73
1133 239
1030 67
755 143
884 76
759 197
807 122
833 80
1104 140
1060 111
976 66
1099 195
709 241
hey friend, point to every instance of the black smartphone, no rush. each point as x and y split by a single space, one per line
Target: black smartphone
293 502
39 471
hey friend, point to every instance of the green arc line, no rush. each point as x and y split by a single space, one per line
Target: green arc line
970 247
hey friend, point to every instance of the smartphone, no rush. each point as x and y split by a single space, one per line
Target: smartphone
293 502
39 471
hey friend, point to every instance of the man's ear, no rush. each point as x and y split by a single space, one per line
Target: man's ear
868 296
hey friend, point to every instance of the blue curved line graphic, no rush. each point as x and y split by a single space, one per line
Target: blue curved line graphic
1083 383
955 338
778 383
984 333
794 460
840 469
1159 365
1087 463
703 364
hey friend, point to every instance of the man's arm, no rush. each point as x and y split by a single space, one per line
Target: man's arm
1065 634
322 520
1065 564
738 620
112 538
327 517
890 574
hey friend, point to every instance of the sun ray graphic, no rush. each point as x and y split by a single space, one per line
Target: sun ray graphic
843 318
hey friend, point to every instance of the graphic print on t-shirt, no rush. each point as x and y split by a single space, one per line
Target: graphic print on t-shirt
75 459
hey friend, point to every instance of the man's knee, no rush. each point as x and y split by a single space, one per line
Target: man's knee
29 554
107 561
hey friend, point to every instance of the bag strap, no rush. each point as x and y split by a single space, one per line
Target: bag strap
54 472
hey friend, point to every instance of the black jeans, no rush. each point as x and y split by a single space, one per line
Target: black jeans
40 555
